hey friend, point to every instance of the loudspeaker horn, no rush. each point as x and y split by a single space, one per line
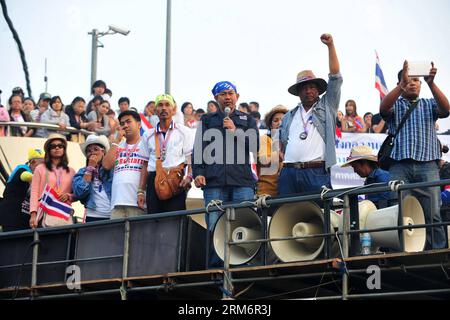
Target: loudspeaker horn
246 226
299 219
388 217
365 208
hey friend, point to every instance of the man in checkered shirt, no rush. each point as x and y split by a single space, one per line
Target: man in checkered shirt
416 149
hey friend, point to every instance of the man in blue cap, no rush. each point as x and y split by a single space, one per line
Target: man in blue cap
222 151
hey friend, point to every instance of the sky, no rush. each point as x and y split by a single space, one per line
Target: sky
259 45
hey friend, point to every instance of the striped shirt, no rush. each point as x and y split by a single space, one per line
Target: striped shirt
417 139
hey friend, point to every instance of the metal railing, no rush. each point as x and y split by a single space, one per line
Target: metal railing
48 126
226 284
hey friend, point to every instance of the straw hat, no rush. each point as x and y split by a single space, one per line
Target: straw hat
269 115
360 153
307 76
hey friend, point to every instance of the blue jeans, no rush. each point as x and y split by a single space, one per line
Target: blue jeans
416 171
226 194
294 181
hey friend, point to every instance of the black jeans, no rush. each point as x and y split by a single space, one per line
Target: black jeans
154 205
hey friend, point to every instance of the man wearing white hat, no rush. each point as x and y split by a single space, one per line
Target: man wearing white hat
307 132
365 164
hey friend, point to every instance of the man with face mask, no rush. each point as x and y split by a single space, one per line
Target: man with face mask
416 150
307 132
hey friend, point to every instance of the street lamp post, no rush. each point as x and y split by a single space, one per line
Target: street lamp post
97 44
168 42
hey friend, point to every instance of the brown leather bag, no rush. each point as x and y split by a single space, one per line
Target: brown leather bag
167 180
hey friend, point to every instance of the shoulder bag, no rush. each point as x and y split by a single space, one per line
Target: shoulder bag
167 180
384 154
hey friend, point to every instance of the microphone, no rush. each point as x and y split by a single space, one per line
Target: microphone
227 111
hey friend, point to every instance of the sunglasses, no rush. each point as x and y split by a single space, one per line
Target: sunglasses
59 146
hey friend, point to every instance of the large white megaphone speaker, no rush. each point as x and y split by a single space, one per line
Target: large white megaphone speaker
364 208
246 226
388 217
296 220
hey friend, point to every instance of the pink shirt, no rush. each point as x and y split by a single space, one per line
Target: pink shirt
56 178
4 116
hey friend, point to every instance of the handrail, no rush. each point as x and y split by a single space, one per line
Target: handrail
228 280
235 205
45 126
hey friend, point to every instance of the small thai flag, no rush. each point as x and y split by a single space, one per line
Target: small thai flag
358 123
52 206
380 84
145 124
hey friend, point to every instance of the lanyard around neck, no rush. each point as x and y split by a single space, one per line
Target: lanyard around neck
308 121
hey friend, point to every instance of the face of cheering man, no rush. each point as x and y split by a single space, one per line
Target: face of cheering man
309 94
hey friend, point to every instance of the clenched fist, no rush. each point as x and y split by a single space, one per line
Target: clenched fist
327 39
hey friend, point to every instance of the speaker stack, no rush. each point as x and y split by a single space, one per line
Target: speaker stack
299 220
412 213
307 219
246 226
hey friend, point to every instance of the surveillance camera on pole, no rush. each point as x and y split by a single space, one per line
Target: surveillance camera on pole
119 30
97 44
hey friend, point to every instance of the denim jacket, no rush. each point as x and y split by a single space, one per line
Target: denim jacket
324 119
82 190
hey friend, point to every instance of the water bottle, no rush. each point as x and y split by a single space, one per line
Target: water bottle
366 243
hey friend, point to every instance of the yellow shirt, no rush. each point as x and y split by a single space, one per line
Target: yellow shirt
269 166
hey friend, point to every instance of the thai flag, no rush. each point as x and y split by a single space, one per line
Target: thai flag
380 84
52 206
358 123
145 124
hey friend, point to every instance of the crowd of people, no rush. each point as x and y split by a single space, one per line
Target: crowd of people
128 173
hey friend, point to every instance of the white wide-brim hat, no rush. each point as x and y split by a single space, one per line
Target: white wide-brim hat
94 139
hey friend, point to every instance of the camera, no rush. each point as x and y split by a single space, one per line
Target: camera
119 30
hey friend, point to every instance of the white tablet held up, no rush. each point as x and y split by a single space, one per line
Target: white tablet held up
419 68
